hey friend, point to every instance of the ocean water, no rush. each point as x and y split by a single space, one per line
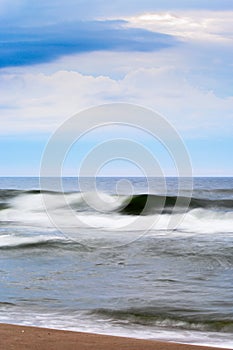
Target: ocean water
115 265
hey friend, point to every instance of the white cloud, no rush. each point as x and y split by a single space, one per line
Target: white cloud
190 84
215 26
39 102
190 109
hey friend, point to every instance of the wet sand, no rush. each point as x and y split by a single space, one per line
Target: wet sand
32 338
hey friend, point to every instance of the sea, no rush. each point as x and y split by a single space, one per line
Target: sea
96 258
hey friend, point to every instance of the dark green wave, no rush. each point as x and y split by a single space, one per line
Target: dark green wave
176 319
149 204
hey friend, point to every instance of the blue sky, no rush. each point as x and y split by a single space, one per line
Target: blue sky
60 57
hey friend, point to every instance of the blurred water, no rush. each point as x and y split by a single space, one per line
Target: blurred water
168 285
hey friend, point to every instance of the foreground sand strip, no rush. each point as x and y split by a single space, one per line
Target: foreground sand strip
31 338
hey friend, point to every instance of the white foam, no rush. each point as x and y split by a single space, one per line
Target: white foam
83 322
72 211
208 221
17 240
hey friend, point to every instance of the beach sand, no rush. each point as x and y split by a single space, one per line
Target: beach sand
33 338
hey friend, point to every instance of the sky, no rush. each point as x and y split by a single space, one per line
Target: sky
58 58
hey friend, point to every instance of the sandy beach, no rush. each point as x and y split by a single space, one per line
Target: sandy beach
21 338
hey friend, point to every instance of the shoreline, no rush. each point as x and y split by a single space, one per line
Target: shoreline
17 337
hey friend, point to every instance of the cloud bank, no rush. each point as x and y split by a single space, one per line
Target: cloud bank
175 57
43 101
